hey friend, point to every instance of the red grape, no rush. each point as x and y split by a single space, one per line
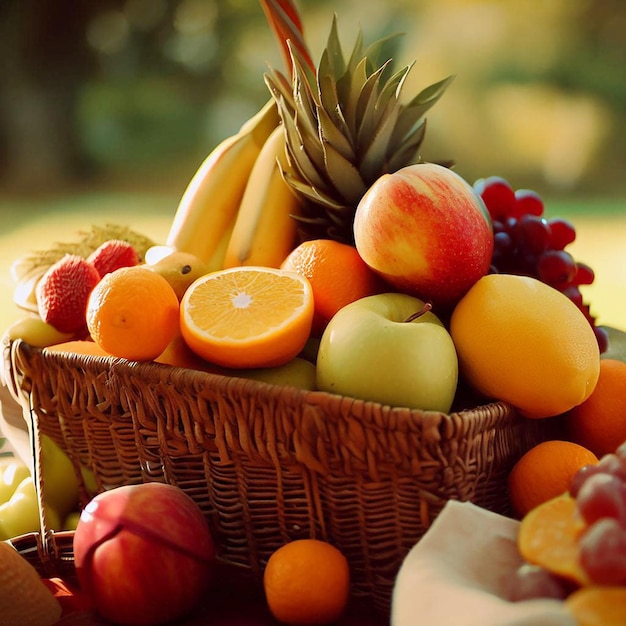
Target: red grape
584 274
531 581
603 552
498 196
620 453
528 244
573 293
556 268
614 465
533 233
528 202
602 337
563 233
602 495
580 477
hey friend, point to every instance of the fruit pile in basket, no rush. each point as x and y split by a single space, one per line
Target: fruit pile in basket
315 248
317 231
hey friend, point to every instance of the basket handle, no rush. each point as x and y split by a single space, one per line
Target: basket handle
38 478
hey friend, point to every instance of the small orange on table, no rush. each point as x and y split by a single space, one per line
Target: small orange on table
599 423
307 581
545 472
337 273
247 316
132 313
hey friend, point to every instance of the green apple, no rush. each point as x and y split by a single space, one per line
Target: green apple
12 473
71 521
60 484
389 348
20 514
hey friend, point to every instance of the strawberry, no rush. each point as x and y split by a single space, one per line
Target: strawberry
112 255
63 292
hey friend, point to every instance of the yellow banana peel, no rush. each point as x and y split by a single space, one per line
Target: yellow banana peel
208 207
265 231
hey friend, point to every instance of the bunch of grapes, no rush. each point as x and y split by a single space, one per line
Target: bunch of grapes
527 243
600 492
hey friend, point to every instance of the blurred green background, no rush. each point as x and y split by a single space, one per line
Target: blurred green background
137 91
111 105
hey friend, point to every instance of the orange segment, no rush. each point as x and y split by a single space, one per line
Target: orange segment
598 606
247 316
548 537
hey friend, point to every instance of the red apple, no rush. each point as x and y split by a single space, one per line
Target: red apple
143 553
426 231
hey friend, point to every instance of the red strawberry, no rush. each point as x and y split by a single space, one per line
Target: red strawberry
112 255
63 291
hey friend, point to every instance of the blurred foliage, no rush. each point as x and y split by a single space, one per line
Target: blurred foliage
137 92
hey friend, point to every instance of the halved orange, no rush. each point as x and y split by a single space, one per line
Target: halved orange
247 316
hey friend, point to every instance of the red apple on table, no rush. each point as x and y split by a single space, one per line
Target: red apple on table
143 553
426 231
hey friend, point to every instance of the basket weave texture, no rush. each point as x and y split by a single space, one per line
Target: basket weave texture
270 464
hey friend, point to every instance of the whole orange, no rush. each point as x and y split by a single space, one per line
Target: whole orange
545 472
337 273
133 313
523 342
307 581
599 423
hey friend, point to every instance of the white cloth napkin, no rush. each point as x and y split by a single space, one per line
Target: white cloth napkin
459 572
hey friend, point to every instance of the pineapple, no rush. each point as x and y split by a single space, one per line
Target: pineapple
345 126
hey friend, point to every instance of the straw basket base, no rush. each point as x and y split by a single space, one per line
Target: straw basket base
269 464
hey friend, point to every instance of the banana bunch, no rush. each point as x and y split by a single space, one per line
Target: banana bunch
237 208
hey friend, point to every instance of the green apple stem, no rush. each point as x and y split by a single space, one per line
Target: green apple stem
427 307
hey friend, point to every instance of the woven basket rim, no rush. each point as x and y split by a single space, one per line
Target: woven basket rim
171 374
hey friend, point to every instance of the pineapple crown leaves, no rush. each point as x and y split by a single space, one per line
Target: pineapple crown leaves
345 124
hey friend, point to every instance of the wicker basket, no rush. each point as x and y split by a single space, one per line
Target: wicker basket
269 464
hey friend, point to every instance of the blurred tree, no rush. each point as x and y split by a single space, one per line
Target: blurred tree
44 60
87 83
142 87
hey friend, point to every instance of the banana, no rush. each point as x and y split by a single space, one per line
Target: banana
206 214
25 292
265 231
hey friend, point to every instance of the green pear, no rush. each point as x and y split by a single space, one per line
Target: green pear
298 372
60 484
12 473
